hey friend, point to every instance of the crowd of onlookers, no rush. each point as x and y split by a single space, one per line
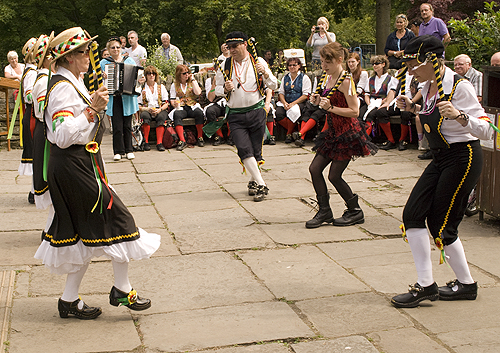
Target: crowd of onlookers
189 102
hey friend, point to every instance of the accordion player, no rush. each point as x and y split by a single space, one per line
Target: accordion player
123 78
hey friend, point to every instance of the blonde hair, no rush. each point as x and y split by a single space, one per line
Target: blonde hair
403 17
325 20
12 54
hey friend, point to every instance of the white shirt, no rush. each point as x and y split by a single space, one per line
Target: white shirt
152 97
39 90
246 91
137 54
28 82
393 84
64 99
9 69
363 81
464 99
306 84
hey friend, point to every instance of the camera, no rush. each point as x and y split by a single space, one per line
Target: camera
317 28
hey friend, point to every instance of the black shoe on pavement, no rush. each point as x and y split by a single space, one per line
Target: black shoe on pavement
288 139
218 141
300 142
416 293
426 155
200 142
181 145
455 290
272 140
31 198
130 300
252 188
387 145
86 313
160 147
261 192
403 145
146 146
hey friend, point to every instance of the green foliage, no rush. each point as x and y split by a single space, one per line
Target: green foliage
479 35
157 59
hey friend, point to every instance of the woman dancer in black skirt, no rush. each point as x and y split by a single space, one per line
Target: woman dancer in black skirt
341 140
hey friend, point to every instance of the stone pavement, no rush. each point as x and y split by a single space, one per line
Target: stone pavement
235 276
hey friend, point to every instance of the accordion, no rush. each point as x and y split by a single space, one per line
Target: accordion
123 78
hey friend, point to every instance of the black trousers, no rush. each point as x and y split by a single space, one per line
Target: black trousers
440 195
247 130
122 128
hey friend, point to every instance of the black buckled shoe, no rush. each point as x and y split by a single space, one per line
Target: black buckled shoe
31 198
272 140
146 146
426 155
455 290
160 147
416 293
252 188
261 192
86 313
181 145
218 141
387 145
288 139
403 145
130 300
200 142
300 142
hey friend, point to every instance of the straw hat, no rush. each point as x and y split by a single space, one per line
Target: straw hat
28 49
69 40
41 49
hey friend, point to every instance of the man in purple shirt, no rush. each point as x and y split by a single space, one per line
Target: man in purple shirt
432 25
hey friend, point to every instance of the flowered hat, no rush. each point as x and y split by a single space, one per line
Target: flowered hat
28 49
69 40
41 49
419 48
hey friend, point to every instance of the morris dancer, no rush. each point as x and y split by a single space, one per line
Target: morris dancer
453 121
90 220
246 115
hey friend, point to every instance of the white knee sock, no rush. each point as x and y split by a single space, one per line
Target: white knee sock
120 271
418 238
73 281
455 255
253 168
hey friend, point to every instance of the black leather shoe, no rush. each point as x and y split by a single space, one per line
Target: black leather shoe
403 145
299 142
261 192
416 293
387 145
461 292
426 155
288 139
218 141
86 313
146 146
181 145
130 300
272 140
31 198
160 147
200 142
252 188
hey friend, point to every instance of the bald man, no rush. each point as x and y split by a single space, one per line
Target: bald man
495 59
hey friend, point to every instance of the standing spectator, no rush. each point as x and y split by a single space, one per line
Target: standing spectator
14 70
268 57
225 52
495 59
463 67
104 53
169 50
318 39
123 41
415 26
433 25
396 42
120 107
136 51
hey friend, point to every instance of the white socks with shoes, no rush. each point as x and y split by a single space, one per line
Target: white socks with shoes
420 245
455 255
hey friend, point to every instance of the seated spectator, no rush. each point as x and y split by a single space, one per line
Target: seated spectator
14 70
293 93
154 107
495 59
396 42
360 78
184 93
216 110
270 116
318 39
463 67
378 96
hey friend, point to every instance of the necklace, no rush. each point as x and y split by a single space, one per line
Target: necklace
241 71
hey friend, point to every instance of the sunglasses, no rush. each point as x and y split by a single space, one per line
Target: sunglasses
116 47
378 63
233 46
185 73
292 65
150 73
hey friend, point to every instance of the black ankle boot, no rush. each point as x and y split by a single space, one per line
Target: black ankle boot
71 308
353 214
130 300
324 215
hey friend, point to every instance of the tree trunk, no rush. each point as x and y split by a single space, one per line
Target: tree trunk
383 26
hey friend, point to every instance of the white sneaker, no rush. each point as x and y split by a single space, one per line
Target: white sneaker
117 157
130 155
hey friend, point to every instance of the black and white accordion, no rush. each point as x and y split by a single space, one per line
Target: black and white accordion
123 78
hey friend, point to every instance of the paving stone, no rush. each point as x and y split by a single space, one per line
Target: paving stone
171 165
217 230
339 345
382 225
19 215
186 175
389 170
483 253
201 183
301 273
121 178
278 210
146 217
18 248
36 327
352 314
167 246
132 194
222 326
411 339
292 188
122 166
257 348
485 340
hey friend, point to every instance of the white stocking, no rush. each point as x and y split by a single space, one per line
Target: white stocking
73 282
120 271
455 255
253 168
418 238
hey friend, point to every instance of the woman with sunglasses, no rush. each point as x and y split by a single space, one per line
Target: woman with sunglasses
154 107
379 93
184 94
121 107
293 93
343 139
453 121
396 42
